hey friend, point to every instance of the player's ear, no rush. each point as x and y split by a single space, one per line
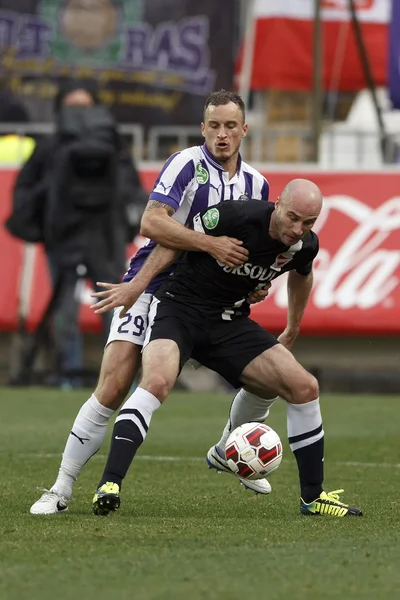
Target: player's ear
202 129
245 129
277 202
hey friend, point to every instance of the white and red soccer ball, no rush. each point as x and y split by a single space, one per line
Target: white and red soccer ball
253 450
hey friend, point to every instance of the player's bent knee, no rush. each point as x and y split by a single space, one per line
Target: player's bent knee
307 390
118 370
158 385
111 391
314 388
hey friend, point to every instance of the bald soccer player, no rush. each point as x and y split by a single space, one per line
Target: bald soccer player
202 311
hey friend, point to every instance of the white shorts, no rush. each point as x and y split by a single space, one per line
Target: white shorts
132 327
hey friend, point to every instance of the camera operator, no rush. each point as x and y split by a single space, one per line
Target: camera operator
76 194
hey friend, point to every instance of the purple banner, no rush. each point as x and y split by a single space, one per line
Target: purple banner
394 55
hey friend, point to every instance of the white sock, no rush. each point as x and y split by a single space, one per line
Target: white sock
246 408
86 437
304 424
306 439
139 408
129 433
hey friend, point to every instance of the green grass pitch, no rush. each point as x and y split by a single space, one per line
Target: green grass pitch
185 532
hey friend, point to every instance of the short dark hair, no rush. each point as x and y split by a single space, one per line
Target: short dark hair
222 97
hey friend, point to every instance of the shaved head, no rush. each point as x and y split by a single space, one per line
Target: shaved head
296 211
303 194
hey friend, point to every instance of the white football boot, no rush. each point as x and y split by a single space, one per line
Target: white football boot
215 461
50 503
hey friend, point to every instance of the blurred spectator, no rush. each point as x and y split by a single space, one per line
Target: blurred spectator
77 194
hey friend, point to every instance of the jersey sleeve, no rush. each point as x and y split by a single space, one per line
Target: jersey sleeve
265 191
172 182
226 218
259 187
304 266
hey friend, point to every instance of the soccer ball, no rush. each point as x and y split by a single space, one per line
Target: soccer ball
253 450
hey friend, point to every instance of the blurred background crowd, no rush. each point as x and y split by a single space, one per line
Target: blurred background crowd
94 97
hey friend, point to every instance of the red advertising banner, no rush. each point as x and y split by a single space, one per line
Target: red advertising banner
285 30
357 271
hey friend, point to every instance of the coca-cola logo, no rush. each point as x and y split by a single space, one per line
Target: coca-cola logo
344 5
358 264
359 258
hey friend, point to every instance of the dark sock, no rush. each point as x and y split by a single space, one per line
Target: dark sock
126 439
310 462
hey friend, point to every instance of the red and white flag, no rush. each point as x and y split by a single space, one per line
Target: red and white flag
283 56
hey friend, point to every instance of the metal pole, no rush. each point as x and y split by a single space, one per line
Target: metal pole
245 77
248 53
316 117
369 78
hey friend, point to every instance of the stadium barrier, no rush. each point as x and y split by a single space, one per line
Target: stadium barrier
341 146
357 271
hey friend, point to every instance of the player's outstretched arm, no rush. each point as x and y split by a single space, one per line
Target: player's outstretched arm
299 289
125 294
158 226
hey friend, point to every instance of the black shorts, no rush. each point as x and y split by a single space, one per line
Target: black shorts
226 347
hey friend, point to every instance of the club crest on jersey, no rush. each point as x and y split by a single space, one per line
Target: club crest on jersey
211 218
201 174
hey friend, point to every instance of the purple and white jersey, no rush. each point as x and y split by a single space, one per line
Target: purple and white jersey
190 182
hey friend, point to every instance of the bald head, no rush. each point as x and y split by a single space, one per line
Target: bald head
297 209
302 194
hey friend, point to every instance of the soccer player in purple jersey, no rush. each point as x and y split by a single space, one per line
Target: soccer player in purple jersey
191 181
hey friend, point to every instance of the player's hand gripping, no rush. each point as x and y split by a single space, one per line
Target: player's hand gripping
259 295
228 251
116 294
